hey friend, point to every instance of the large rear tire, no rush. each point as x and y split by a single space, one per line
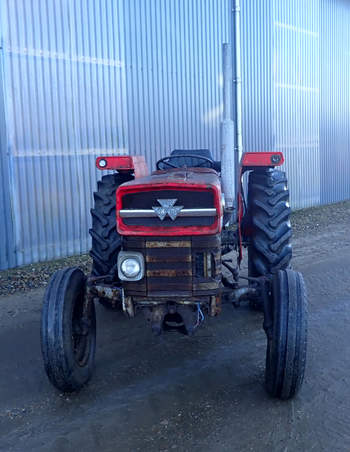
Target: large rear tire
287 338
106 242
270 232
68 331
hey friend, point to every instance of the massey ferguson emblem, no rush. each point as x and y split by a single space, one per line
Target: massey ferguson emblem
167 208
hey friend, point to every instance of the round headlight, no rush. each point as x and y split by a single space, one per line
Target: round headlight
102 163
130 267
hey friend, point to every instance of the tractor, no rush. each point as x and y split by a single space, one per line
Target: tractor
160 243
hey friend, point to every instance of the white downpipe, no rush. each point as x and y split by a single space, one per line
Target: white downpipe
227 133
237 80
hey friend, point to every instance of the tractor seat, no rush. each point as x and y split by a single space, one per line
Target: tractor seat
193 161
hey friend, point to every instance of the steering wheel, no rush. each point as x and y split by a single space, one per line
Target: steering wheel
166 161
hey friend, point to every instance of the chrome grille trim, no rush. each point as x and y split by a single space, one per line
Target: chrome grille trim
147 213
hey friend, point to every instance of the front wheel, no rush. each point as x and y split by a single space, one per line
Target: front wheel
287 336
68 331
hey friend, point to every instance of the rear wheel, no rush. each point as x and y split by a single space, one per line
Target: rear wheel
287 337
106 242
68 331
269 222
268 225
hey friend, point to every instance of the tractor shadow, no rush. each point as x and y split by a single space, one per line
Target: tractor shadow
227 351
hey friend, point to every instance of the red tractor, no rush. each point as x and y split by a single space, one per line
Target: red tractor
160 242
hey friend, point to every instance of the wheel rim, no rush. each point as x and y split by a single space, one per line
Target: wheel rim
81 333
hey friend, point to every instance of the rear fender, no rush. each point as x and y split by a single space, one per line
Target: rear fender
251 161
135 164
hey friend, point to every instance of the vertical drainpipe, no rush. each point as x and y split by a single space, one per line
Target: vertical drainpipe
227 133
237 86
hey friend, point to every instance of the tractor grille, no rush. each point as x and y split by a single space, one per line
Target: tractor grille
198 208
177 266
188 198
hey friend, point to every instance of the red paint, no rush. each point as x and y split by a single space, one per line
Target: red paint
177 180
128 163
262 159
240 217
180 176
240 213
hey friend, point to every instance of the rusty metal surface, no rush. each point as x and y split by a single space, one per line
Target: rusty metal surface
128 306
168 244
106 291
205 286
215 305
169 285
171 266
202 300
169 273
173 255
170 259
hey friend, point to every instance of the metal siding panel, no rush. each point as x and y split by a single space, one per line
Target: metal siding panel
91 77
257 88
63 111
101 77
173 72
7 249
296 77
281 89
335 104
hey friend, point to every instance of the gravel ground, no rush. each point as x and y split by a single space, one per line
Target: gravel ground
179 393
37 275
32 276
316 218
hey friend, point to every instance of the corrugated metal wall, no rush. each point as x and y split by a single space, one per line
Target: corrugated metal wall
281 72
7 250
335 101
296 77
296 92
173 72
257 74
89 77
65 96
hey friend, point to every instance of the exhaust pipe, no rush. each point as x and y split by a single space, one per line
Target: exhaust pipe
227 134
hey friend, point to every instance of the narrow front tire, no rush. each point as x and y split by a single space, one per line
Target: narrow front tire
68 331
287 337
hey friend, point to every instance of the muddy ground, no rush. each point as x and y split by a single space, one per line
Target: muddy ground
188 394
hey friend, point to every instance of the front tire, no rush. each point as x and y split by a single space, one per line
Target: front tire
287 338
68 335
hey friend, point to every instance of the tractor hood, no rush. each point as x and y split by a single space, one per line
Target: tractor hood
179 176
180 201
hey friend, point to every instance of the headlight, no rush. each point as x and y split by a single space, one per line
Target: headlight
131 266
102 163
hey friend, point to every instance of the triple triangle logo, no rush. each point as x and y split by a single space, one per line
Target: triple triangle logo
167 208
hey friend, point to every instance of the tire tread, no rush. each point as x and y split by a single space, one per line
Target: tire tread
286 352
106 242
53 332
268 215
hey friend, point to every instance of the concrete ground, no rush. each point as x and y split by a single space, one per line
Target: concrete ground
187 394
